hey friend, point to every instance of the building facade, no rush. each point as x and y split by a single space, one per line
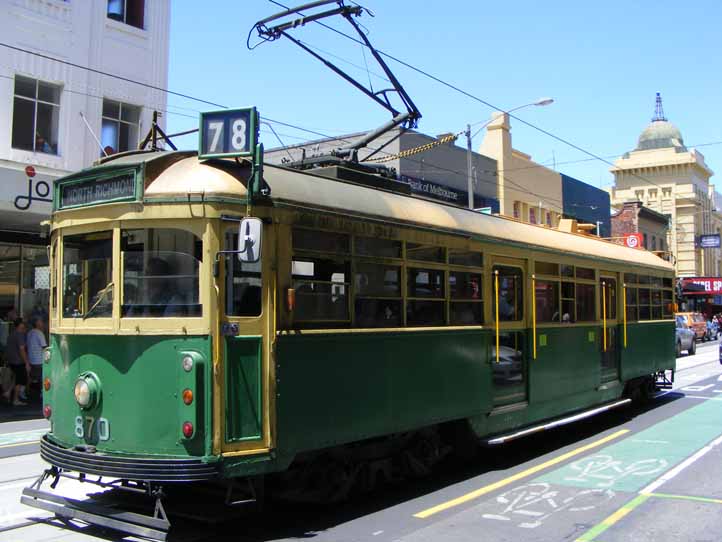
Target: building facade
58 117
667 177
438 172
634 217
534 193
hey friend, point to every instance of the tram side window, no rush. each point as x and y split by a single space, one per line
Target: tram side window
160 273
243 282
322 287
585 302
466 307
547 301
511 288
425 306
631 304
88 275
378 295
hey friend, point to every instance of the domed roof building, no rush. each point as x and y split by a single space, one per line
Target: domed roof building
667 177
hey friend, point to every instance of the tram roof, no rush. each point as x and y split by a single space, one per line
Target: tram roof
184 175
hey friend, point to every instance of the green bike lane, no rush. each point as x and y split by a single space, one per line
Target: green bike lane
598 495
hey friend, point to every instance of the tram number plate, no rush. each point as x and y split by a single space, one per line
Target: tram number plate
228 133
88 427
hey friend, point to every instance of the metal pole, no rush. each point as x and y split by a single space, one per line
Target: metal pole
469 177
598 232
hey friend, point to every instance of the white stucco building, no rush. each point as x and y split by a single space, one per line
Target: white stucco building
46 98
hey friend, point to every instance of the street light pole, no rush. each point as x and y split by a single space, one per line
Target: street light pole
469 136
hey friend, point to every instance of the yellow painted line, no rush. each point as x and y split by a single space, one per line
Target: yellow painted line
686 498
598 529
519 476
19 444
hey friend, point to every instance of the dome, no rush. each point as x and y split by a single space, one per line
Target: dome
660 134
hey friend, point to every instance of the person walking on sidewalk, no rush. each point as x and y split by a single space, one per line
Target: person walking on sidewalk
17 358
36 343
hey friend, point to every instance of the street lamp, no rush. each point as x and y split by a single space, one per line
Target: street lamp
469 136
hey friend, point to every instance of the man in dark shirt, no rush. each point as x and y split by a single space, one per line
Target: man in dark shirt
17 358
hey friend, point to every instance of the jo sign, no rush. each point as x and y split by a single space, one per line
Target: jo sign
228 133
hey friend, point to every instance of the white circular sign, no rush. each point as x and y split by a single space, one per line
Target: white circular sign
632 241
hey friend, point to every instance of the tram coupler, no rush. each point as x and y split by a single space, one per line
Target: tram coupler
154 527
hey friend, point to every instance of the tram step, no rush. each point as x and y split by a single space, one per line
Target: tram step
503 439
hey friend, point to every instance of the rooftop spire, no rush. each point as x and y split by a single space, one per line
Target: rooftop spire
658 110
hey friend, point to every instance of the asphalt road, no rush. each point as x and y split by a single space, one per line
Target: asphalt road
637 474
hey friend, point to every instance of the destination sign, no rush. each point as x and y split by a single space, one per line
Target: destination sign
98 190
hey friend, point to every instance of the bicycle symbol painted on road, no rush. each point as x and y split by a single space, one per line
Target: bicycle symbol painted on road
538 501
604 471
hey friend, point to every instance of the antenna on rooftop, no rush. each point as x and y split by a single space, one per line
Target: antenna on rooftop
659 110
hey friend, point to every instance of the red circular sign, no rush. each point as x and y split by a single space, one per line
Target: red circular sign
30 171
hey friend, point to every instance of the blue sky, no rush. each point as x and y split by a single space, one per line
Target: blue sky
601 62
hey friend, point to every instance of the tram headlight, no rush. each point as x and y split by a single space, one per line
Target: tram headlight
187 363
86 390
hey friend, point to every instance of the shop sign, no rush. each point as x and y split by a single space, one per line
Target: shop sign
102 190
707 286
709 241
633 240
26 190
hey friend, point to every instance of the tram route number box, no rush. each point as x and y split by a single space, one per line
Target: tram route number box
228 133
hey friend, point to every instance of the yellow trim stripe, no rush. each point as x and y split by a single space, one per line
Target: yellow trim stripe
496 294
624 312
533 313
519 476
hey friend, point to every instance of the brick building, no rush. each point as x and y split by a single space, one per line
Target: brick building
634 217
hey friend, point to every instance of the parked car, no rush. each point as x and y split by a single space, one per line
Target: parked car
685 338
712 330
696 322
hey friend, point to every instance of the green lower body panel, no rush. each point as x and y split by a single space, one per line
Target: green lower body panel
243 406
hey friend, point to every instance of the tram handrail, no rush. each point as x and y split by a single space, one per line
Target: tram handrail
604 315
533 315
496 306
624 311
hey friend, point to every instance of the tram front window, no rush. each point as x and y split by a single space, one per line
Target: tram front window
88 275
160 273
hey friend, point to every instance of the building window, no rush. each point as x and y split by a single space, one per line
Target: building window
532 215
130 12
121 123
549 219
517 213
36 108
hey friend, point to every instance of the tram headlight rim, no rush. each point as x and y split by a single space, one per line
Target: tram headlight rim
86 390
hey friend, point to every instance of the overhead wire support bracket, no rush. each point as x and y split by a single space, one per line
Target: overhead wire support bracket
407 120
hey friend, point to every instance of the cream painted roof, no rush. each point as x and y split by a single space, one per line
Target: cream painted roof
300 188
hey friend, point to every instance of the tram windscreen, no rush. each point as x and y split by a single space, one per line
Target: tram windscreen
160 273
88 275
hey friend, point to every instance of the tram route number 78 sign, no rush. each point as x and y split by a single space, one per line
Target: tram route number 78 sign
228 133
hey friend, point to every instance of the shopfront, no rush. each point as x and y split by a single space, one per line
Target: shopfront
701 294
25 201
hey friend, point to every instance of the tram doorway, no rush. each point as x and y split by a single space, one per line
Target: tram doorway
610 332
509 350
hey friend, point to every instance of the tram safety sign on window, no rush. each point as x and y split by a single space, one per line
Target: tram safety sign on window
228 133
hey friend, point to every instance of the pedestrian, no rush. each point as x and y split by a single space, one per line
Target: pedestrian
36 343
17 358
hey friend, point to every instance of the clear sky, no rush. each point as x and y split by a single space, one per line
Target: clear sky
602 62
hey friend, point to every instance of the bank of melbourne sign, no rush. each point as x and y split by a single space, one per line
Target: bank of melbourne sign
118 187
446 193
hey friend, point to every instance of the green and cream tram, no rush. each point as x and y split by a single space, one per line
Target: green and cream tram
372 326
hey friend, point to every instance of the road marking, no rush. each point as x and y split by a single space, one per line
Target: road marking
19 444
598 529
686 498
697 387
21 436
667 476
519 476
703 397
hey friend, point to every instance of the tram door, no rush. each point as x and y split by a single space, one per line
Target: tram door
246 316
509 349
609 340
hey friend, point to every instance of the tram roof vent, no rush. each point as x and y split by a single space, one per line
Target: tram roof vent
357 175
